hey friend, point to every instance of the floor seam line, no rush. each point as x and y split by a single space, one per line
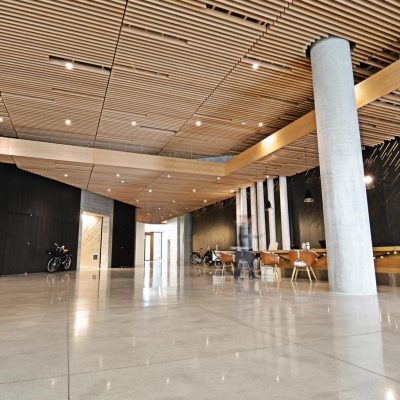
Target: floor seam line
181 359
349 363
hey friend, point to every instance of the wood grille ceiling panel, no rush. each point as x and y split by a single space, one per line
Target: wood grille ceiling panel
165 64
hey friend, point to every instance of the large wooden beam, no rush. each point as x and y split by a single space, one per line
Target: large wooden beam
378 85
94 156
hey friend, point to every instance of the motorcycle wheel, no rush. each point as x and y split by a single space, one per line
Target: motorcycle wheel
194 258
67 264
53 264
218 262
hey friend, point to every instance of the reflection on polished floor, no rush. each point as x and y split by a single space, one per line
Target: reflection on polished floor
160 332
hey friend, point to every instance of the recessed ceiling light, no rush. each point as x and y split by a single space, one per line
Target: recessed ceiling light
122 181
150 190
170 215
159 208
69 65
198 123
243 123
232 190
173 201
218 178
1 119
66 175
194 190
117 175
133 123
108 190
168 176
267 176
137 200
148 213
67 122
260 124
255 65
205 201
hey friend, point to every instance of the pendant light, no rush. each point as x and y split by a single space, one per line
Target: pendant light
268 205
308 198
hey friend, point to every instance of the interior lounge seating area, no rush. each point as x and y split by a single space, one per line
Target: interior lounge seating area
200 199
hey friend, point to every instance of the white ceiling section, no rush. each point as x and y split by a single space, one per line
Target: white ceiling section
145 71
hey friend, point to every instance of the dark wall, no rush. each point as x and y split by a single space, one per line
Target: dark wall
383 164
306 219
35 212
215 224
123 240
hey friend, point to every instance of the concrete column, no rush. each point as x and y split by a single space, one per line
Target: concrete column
284 213
347 230
253 211
262 235
271 211
244 216
238 215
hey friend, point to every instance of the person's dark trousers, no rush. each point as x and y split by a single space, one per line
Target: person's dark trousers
244 256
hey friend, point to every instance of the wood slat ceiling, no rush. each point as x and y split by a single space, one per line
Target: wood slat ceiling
165 64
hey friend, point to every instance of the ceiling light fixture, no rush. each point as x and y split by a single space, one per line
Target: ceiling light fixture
308 198
1 119
173 201
255 66
69 65
260 124
194 190
137 200
243 123
150 190
168 176
66 175
133 123
117 175
198 123
122 181
218 178
68 122
205 201
266 176
369 181
108 190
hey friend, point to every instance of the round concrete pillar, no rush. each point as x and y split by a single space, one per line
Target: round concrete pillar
347 230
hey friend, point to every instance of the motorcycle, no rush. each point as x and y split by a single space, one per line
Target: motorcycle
59 257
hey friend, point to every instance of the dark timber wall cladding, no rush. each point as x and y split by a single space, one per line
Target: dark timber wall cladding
214 225
383 164
123 241
35 212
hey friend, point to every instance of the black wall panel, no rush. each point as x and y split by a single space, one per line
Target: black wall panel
383 164
123 241
35 212
215 224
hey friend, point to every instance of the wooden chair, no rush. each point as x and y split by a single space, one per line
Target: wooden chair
302 259
271 259
227 259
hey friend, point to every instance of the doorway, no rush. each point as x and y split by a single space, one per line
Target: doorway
152 246
94 241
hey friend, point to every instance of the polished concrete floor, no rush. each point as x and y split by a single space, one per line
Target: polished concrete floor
163 332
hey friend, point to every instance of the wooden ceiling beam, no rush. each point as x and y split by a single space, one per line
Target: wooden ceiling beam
111 158
378 85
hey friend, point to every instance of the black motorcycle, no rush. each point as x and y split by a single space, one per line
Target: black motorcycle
59 257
